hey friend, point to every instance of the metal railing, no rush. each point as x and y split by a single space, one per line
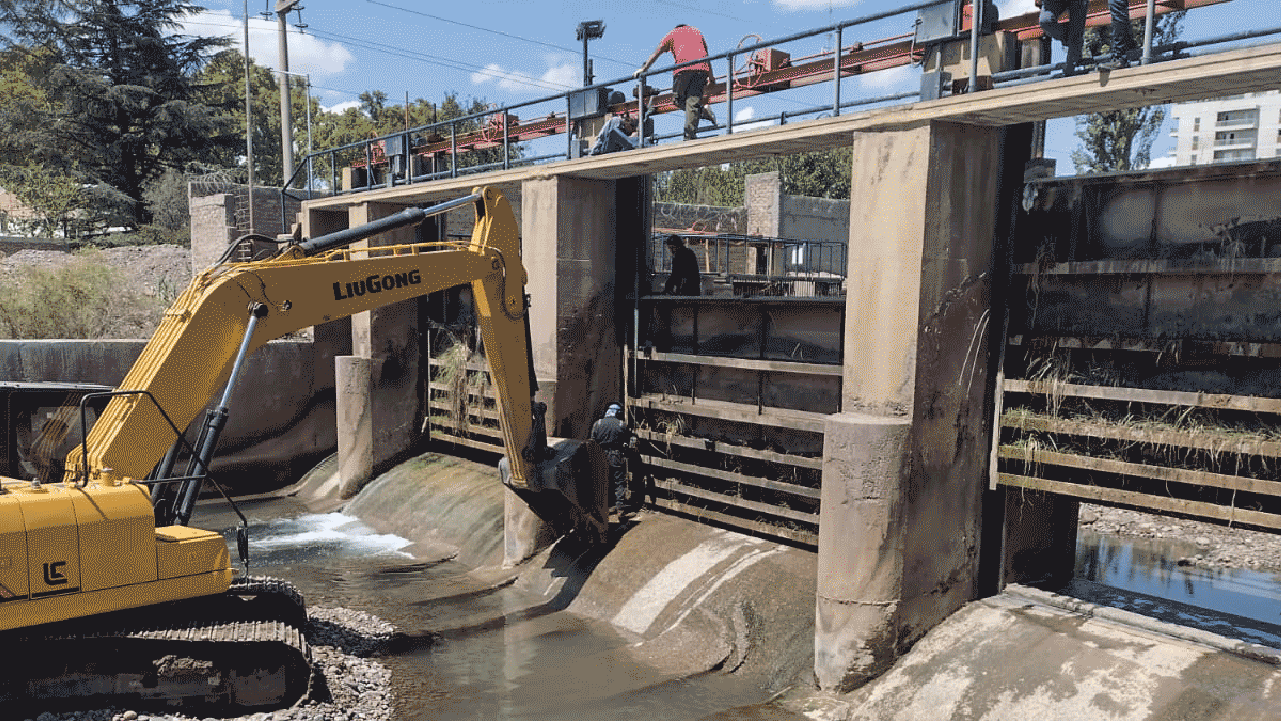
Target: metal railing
499 129
752 265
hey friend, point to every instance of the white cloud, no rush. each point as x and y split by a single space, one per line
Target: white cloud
1165 161
341 108
559 76
307 55
904 77
804 5
744 115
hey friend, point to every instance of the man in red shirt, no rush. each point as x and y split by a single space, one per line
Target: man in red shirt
688 83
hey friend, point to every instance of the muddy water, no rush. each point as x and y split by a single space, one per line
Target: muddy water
1143 575
501 653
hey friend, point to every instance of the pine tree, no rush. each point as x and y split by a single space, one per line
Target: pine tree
120 106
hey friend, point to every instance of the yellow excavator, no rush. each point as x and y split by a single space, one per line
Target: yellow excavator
105 590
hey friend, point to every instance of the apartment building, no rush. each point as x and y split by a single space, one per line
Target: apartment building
1234 128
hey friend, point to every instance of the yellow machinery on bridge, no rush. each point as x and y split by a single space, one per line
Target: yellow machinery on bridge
113 535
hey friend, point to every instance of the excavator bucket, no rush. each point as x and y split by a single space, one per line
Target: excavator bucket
570 489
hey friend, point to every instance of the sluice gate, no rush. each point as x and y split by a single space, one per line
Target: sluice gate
1140 366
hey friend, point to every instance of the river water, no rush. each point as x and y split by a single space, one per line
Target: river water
491 652
501 653
1144 576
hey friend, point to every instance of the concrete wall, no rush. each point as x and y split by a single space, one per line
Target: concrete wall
773 214
282 413
568 231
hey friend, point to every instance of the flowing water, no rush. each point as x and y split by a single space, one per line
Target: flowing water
486 652
501 653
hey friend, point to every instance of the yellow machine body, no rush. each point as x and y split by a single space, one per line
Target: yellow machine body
67 552
89 545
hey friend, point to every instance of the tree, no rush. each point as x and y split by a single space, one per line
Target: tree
221 84
119 105
1120 140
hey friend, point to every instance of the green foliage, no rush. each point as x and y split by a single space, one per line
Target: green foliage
821 174
55 199
109 99
77 300
166 199
1121 140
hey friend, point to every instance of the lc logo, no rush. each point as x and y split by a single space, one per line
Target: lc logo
53 573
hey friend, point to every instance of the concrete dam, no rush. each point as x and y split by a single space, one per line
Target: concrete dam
862 445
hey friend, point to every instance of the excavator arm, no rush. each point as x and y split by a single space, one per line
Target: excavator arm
191 355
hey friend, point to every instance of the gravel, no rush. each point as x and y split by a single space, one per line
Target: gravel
348 686
1217 546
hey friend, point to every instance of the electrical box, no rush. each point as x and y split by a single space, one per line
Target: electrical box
590 103
938 22
768 59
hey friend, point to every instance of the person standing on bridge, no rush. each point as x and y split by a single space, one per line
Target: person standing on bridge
1070 35
1123 40
691 82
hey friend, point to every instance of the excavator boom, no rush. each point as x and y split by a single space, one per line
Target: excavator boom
76 555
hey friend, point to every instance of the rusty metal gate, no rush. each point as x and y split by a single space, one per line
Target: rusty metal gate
1142 360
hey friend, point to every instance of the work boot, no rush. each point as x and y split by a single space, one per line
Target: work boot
1118 61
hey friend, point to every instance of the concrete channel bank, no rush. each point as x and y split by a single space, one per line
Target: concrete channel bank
700 599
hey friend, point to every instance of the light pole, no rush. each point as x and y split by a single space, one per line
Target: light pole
283 7
589 30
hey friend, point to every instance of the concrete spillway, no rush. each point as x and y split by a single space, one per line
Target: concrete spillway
699 599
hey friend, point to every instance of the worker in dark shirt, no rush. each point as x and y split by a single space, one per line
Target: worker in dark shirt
684 279
615 438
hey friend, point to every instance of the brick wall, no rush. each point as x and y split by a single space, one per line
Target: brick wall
761 196
214 220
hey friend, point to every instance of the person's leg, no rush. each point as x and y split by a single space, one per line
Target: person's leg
1074 35
705 111
1049 20
683 96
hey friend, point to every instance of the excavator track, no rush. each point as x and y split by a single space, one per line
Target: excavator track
244 648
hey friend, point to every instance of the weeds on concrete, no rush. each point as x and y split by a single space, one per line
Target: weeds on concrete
82 299
464 389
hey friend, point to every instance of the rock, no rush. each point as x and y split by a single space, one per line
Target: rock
1088 516
1202 541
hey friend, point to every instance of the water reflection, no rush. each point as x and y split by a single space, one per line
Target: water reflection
1144 575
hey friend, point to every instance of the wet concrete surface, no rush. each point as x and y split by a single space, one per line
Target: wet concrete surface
677 620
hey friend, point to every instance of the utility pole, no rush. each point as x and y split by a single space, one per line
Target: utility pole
249 125
283 8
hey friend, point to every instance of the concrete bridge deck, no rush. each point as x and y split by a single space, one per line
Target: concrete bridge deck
1245 70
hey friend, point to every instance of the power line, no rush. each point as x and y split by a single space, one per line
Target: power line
443 62
490 30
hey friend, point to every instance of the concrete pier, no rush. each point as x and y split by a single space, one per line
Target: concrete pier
904 461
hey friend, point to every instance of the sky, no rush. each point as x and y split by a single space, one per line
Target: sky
510 51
